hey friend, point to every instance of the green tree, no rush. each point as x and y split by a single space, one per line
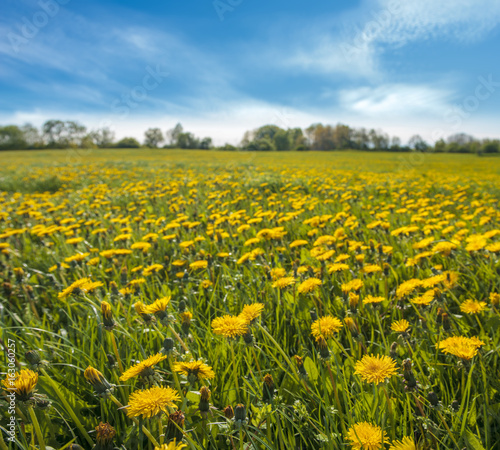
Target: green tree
153 137
128 142
282 140
12 138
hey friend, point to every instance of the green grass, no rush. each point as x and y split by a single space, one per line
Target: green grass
51 197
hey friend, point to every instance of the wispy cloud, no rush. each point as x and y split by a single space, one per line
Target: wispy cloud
353 46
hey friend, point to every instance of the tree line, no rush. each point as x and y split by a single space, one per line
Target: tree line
70 134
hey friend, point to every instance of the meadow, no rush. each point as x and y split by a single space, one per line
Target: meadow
211 300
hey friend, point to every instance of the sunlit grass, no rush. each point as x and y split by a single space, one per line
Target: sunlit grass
210 232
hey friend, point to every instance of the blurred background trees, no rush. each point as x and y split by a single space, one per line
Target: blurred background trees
55 134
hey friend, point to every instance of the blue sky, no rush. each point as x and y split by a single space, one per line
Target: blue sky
225 66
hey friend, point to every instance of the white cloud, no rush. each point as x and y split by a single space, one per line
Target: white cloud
389 100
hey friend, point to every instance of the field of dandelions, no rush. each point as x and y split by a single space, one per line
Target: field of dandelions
206 300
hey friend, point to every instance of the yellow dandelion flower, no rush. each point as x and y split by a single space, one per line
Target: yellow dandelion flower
371 268
444 247
171 446
251 242
425 299
198 265
75 240
472 306
144 368
353 285
284 282
495 298
186 317
326 327
205 284
22 384
407 287
461 346
400 326
158 305
405 444
277 272
365 436
144 246
251 312
197 369
309 285
229 326
372 299
375 369
152 402
494 248
298 243
77 258
337 267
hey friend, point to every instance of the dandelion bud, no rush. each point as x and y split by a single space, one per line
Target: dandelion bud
123 276
248 338
182 306
445 320
107 316
175 425
353 301
323 347
394 350
111 360
168 345
19 272
186 321
33 358
104 436
351 324
7 289
42 402
268 388
410 380
101 386
433 398
204 405
114 288
228 412
300 366
240 413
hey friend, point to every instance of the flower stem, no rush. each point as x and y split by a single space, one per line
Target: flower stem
115 349
339 406
36 426
66 405
234 373
171 328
